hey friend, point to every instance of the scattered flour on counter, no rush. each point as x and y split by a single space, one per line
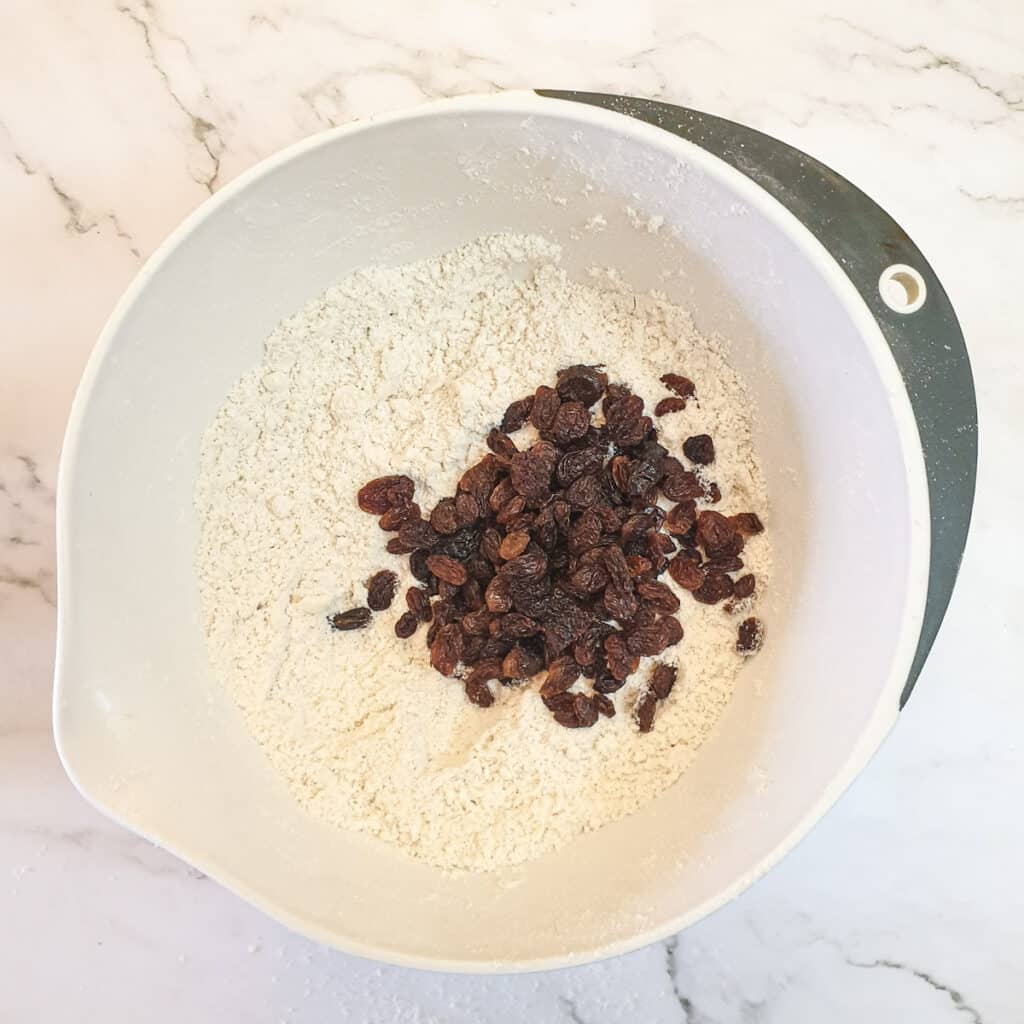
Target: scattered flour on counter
404 370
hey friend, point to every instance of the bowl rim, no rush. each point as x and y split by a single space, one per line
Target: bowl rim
526 103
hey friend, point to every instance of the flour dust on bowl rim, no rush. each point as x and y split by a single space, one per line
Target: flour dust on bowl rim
865 430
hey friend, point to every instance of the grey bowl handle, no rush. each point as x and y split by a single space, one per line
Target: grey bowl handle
927 345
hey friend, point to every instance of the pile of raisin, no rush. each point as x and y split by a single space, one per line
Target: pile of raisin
548 558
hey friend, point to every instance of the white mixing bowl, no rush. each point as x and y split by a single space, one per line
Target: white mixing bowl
149 736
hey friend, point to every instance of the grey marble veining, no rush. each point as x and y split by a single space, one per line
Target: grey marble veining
117 119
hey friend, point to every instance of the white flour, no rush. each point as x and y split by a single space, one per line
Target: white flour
404 371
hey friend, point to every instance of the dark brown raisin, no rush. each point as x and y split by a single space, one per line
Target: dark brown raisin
659 595
617 568
608 684
502 494
406 625
585 710
531 470
562 673
384 493
744 587
514 544
686 572
515 626
667 405
521 663
570 423
380 590
418 533
671 630
395 546
603 704
477 623
510 510
619 471
747 523
589 579
620 602
699 449
501 444
663 678
559 701
477 690
446 650
532 562
418 566
646 641
624 421
467 508
573 465
638 565
682 386
354 618
447 569
716 534
750 636
545 408
445 517
585 491
716 587
621 662
713 493
517 414
643 710
680 484
723 563
498 595
583 384
418 602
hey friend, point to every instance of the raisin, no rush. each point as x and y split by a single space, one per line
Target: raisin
380 590
478 692
680 484
521 663
716 587
584 384
545 408
406 625
515 626
723 563
620 602
418 602
498 595
502 494
584 492
395 546
571 423
682 386
529 563
517 414
681 517
643 710
447 569
589 579
621 662
501 444
713 493
624 421
477 623
417 533
354 618
617 568
603 705
671 630
686 572
446 650
531 470
562 673
638 565
715 533
747 523
445 517
663 678
418 566
646 641
619 471
510 510
384 493
667 405
750 636
699 449
659 595
514 544
608 684
744 587
585 711
396 517
573 465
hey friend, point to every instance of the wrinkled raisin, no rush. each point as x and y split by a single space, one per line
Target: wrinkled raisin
663 678
583 384
418 602
744 587
747 523
659 595
401 513
671 630
380 590
715 533
562 673
681 517
699 449
646 641
545 408
384 493
603 704
447 569
531 470
716 587
682 386
686 572
643 710
445 517
501 444
621 662
446 650
517 414
570 423
354 618
406 625
667 405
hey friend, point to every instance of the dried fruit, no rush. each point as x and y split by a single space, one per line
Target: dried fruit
714 532
545 408
659 595
671 630
681 517
521 663
406 625
667 405
501 444
646 641
682 386
679 484
514 544
417 533
531 470
517 414
699 449
583 384
686 572
571 423
643 710
621 661
384 493
418 602
446 650
445 517
380 590
354 618
515 626
744 587
562 673
750 636
447 569
624 421
716 587
747 523
663 678
603 705
401 513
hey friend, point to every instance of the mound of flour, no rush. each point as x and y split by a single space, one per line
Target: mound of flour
404 371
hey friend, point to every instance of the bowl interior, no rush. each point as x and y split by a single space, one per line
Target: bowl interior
151 738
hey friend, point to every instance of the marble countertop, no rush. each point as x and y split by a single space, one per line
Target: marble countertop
117 119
